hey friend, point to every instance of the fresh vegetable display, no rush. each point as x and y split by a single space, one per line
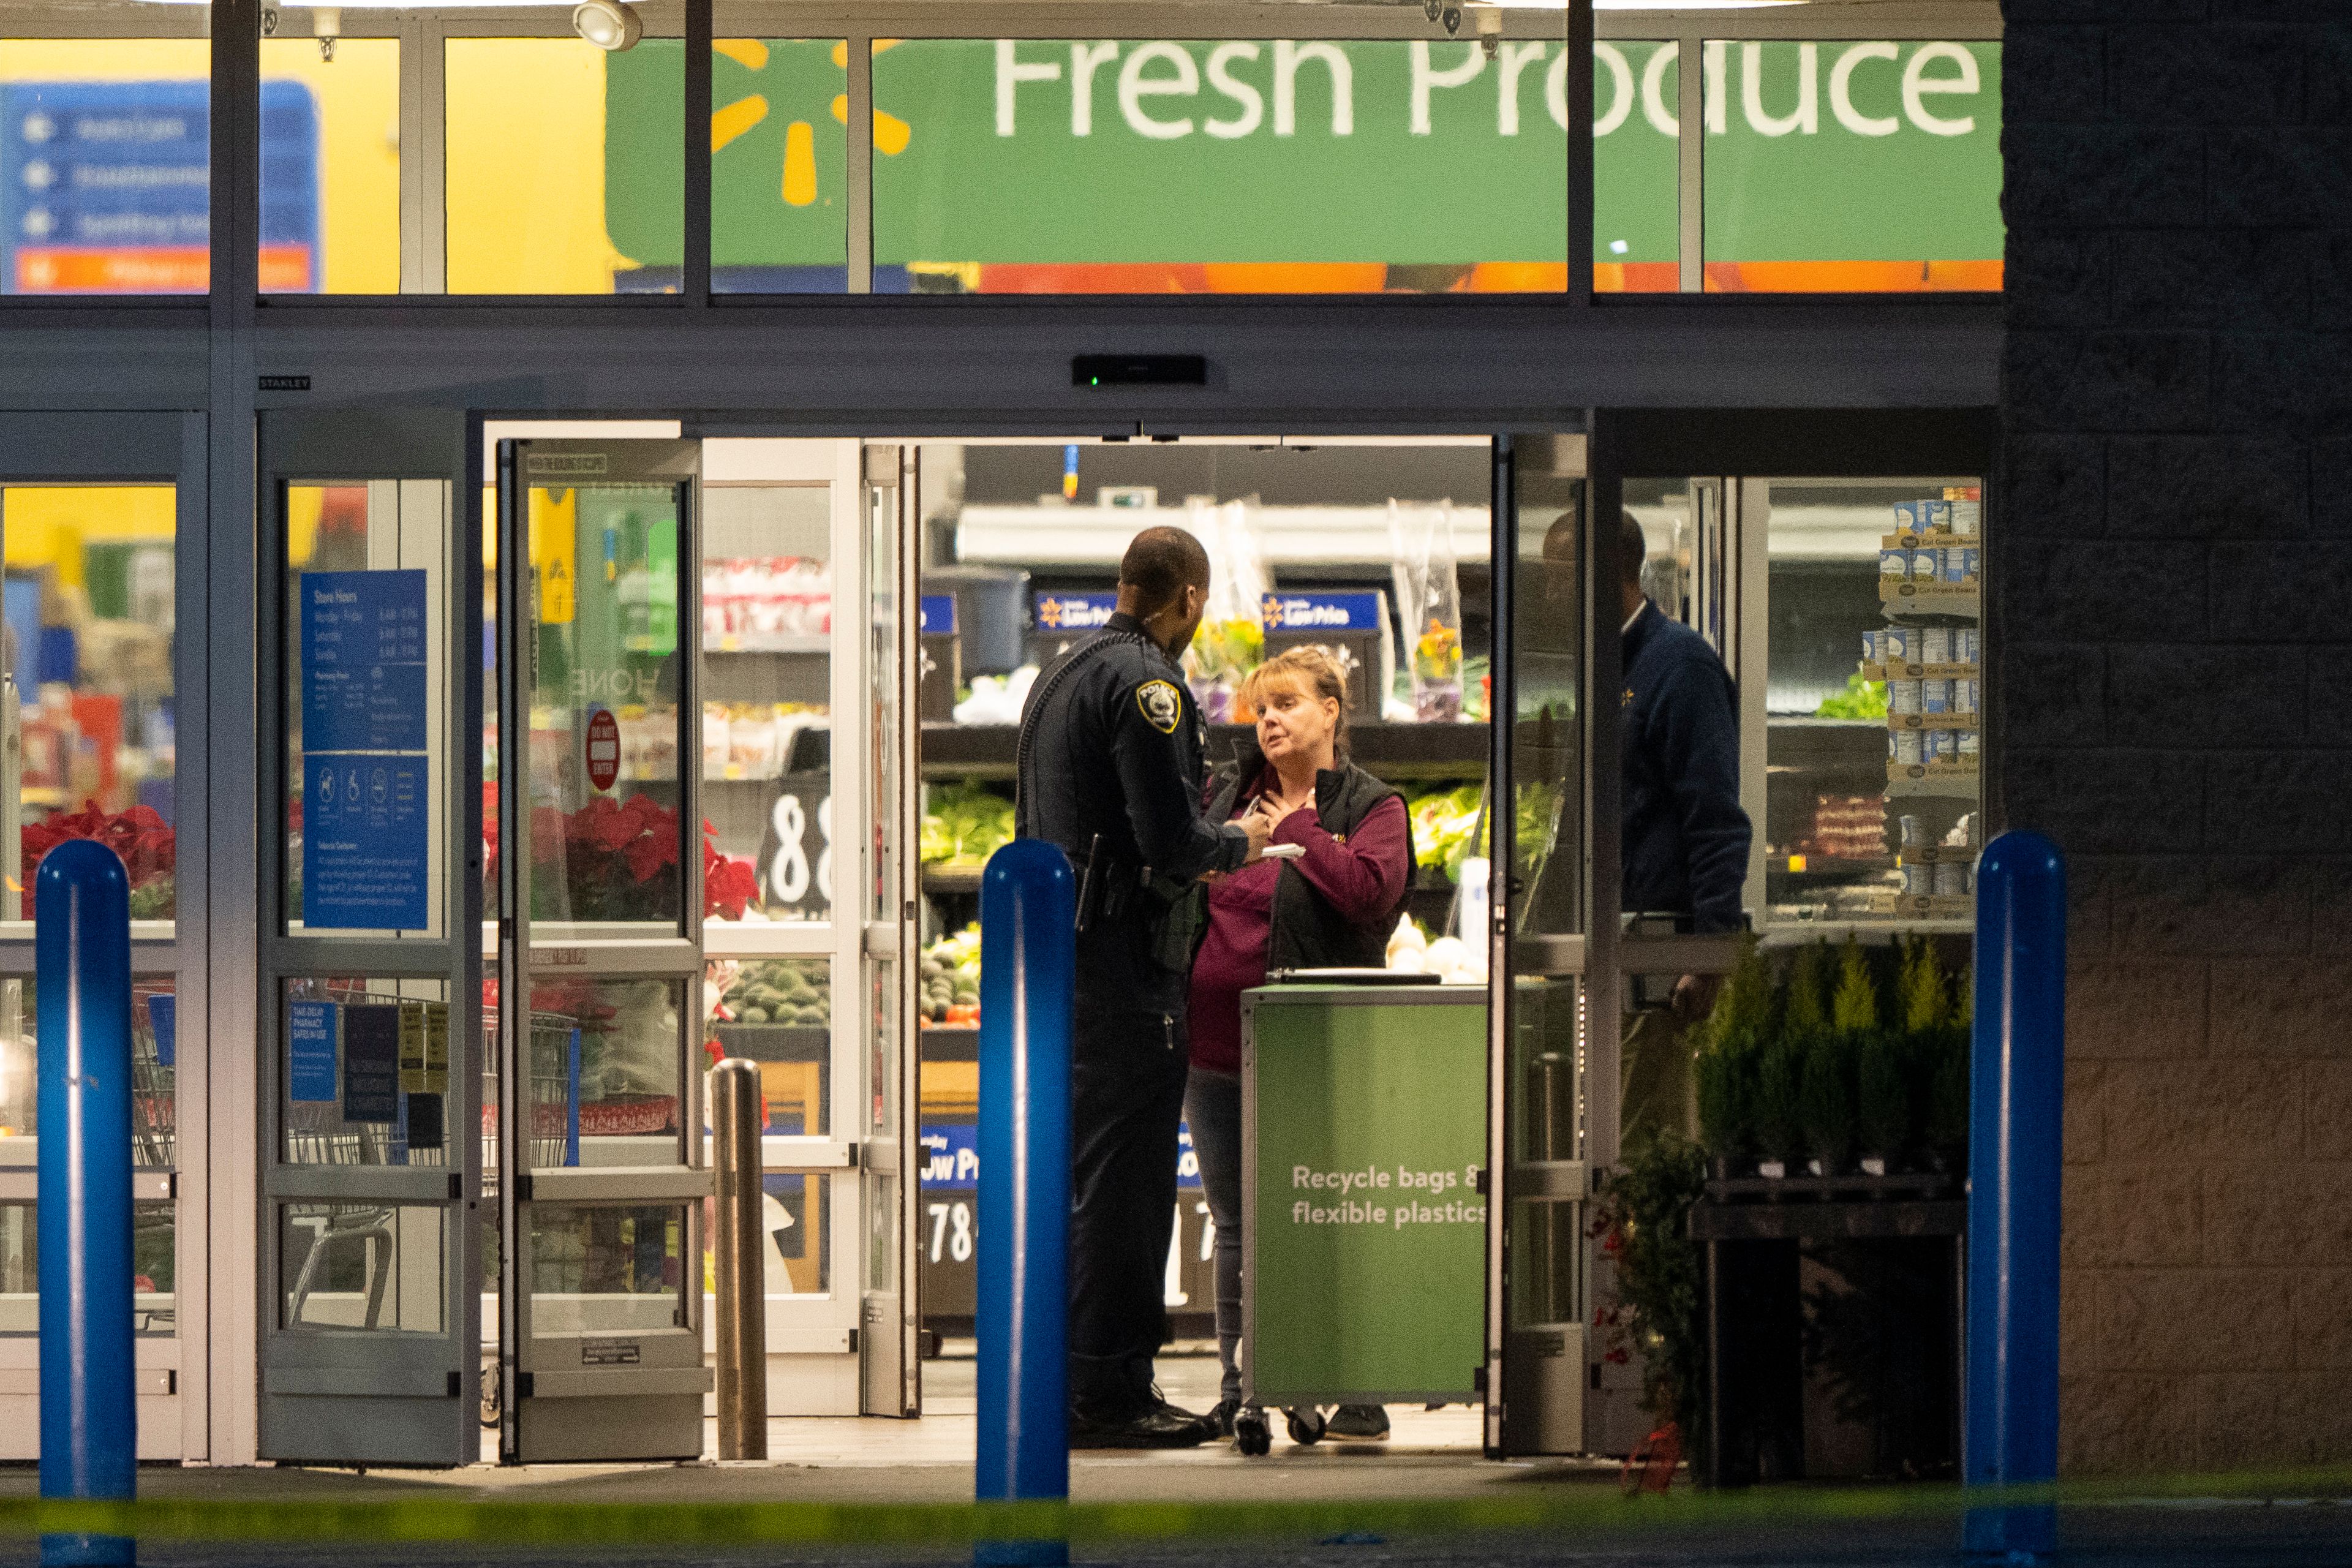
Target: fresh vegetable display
951 980
791 991
1859 699
1444 826
966 824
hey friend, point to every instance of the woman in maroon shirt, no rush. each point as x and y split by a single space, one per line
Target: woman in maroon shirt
1332 905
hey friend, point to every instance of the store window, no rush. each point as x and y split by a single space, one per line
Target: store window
105 163
1241 166
780 195
1852 166
330 160
88 640
1873 757
1636 170
563 170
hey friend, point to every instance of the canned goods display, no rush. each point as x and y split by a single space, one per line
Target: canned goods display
1939 746
1918 882
1927 565
1968 563
1955 562
1899 644
1936 514
1902 696
1968 751
1964 697
1906 746
1935 696
1910 516
1966 515
1894 565
1873 647
1915 835
1963 646
1935 644
1951 879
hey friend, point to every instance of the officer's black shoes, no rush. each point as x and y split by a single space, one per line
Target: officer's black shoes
1155 1424
1357 1423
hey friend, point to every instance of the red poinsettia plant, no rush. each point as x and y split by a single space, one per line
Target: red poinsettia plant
140 836
619 860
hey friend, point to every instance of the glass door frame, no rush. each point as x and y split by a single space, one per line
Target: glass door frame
84 450
368 1396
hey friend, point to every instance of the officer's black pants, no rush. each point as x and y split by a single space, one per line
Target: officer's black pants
1127 1091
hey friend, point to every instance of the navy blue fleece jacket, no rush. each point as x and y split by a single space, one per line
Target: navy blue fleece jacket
1687 839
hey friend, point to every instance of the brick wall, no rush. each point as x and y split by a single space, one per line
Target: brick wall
2176 596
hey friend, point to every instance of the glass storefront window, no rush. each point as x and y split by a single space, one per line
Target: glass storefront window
1636 217
105 163
562 171
1853 167
329 163
87 639
780 194
1873 756
606 1067
595 1270
1281 167
368 1074
361 1266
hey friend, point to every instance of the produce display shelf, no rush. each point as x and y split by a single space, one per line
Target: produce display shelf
1391 750
775 1042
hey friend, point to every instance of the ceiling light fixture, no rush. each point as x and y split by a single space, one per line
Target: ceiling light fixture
608 24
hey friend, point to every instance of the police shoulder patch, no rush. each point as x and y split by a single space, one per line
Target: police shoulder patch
1160 705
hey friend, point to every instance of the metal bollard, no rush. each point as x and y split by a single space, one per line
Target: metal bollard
735 1115
1028 967
82 904
2009 1432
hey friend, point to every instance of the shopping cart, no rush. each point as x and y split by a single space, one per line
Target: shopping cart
555 1095
154 1137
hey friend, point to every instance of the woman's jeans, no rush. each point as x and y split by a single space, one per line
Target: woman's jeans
1212 1109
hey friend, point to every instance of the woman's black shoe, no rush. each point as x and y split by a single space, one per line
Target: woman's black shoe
1221 1416
1357 1423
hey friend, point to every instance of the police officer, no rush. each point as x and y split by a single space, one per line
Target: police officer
1110 768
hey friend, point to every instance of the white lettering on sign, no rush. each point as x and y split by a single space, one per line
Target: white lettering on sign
1806 117
1287 57
1517 58
1842 92
1222 78
1426 78
1010 73
1917 83
1134 87
1653 92
1083 60
1621 88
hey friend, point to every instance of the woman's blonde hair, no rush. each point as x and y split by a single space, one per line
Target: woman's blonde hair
1310 666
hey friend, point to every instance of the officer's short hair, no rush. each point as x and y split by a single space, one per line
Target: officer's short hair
1160 564
1633 549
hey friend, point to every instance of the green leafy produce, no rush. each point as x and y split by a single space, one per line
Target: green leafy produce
950 974
1444 827
1859 699
966 822
789 991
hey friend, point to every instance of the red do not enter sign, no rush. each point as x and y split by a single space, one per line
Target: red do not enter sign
604 749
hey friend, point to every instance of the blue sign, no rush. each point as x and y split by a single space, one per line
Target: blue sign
1320 613
105 187
937 615
311 1048
363 660
364 841
950 1157
164 1018
1188 1163
1074 612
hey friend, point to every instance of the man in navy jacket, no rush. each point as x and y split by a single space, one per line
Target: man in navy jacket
1685 838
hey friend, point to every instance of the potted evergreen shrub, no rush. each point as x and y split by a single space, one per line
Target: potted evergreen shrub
1727 1047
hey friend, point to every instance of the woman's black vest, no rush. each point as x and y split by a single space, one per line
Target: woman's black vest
1307 932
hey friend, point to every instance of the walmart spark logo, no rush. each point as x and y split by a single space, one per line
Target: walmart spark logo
799 186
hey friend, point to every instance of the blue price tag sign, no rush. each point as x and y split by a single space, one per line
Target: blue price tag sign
1074 612
937 614
1320 612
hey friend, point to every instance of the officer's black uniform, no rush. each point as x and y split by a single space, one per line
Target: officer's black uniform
1111 769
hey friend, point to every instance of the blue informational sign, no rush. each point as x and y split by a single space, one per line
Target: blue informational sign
164 1018
937 614
105 187
364 841
1320 612
311 1048
1074 612
366 787
363 660
950 1157
1188 1163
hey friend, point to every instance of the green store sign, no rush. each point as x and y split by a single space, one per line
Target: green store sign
1010 153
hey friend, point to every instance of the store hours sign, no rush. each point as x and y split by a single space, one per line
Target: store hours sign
366 799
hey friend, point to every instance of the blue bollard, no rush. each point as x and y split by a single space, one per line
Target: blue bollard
81 905
2017 1087
1028 907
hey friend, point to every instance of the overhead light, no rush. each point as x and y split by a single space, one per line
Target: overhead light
608 24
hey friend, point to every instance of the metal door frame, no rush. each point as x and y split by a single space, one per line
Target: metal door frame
174 1382
368 1397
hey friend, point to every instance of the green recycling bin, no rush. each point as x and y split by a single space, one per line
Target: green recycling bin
1364 1217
